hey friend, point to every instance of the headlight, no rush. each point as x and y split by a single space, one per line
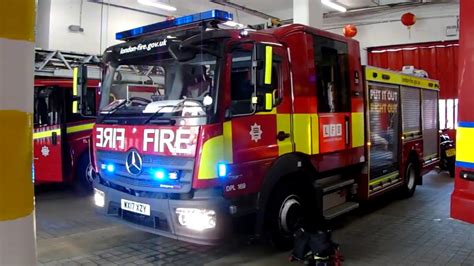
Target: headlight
99 198
196 219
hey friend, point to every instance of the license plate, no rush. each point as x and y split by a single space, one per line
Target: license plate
450 152
135 207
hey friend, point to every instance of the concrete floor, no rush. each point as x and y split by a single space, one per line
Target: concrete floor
391 231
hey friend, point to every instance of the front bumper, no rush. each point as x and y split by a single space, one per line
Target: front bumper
163 219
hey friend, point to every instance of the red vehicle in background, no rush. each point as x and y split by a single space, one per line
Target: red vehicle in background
61 136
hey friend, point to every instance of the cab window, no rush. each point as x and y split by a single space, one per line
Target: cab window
47 106
90 105
242 89
241 86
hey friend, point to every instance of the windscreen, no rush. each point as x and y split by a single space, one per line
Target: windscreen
158 85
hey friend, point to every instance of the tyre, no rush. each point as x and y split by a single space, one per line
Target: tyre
289 209
451 166
82 178
409 187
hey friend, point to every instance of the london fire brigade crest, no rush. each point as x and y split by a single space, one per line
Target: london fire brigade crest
255 132
45 151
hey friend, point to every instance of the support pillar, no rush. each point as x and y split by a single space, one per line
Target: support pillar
17 233
462 199
308 12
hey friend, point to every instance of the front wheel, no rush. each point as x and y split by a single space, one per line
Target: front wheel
288 211
83 178
451 166
410 180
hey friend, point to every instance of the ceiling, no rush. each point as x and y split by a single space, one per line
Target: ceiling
277 8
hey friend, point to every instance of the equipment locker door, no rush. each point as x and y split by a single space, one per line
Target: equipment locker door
383 110
334 93
48 134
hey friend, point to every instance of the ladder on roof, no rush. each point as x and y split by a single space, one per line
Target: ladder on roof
59 64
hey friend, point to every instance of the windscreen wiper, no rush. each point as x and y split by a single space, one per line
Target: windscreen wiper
113 110
166 121
171 121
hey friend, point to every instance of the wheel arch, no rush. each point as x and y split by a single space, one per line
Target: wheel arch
415 158
283 170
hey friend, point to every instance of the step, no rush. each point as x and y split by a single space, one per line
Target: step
340 209
337 185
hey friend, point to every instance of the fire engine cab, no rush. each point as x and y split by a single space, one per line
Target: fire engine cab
283 125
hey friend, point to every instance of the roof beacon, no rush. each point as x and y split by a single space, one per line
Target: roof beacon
211 15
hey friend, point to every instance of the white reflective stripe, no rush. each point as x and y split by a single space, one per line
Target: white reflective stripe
16 75
18 244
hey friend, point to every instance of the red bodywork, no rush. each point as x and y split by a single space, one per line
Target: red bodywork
462 198
251 160
56 157
294 141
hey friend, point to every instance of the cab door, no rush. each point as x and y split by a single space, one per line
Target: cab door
258 136
48 134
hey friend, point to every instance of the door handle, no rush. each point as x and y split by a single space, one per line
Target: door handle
54 138
346 121
282 135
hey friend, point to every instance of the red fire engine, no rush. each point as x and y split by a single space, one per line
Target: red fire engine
61 135
283 125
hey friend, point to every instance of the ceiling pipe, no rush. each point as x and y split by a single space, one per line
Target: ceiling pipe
364 23
364 10
243 9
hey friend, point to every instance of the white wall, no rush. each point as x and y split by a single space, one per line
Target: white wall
374 29
100 23
385 28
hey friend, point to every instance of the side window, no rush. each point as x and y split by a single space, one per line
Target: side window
47 106
332 75
241 86
242 89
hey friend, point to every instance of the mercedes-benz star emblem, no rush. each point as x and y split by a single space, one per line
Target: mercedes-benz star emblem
134 163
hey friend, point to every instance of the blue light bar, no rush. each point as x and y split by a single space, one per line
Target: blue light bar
210 15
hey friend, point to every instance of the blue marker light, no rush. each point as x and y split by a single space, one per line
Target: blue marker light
222 169
110 168
210 15
160 174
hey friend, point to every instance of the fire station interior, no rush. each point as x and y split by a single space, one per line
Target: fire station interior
236 132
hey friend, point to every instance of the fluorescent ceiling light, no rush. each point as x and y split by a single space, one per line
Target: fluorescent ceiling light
333 5
233 24
157 5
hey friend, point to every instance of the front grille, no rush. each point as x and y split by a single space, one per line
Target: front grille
145 181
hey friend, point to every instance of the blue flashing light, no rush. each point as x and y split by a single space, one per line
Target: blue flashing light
110 168
103 166
210 15
222 169
160 174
